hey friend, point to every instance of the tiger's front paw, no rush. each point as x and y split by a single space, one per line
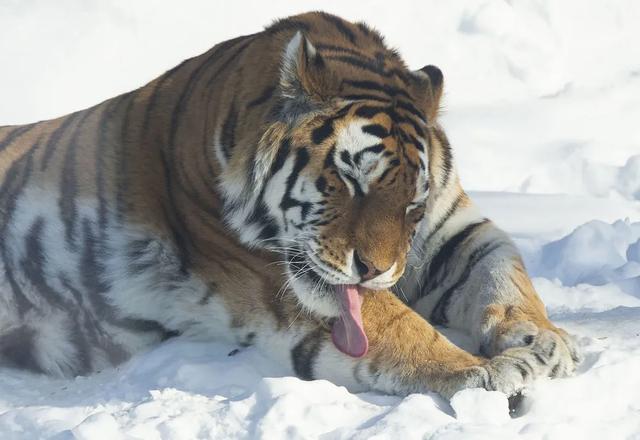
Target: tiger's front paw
549 352
545 355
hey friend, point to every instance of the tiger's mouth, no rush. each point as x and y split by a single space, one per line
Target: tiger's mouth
347 330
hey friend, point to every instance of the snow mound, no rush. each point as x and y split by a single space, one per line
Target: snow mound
595 253
480 406
578 175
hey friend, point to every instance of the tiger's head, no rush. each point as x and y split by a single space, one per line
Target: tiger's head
341 175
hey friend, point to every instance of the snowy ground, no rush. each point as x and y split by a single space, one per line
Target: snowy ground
542 106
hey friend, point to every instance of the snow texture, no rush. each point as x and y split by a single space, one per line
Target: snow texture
542 106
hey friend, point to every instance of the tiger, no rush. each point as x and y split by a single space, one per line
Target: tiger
290 190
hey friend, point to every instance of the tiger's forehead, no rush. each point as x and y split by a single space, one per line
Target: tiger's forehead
369 152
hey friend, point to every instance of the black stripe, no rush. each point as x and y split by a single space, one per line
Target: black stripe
356 185
386 172
174 219
415 142
340 26
92 266
243 41
360 63
366 97
400 74
439 312
208 176
383 88
140 256
450 247
92 325
69 184
447 159
55 137
374 149
14 181
303 355
122 163
264 97
541 360
364 28
321 184
411 109
370 66
523 372
281 156
288 202
102 144
33 267
269 232
287 24
320 134
450 211
228 132
14 134
371 33
329 161
152 100
260 214
407 120
345 157
341 49
376 130
368 111
552 350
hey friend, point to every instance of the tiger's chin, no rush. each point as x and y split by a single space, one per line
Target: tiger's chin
316 294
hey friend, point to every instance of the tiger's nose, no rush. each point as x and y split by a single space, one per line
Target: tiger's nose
366 269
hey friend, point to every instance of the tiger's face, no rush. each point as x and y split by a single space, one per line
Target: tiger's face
351 194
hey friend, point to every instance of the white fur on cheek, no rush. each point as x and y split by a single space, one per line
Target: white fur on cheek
323 303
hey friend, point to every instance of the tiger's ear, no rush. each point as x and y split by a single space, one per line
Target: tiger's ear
304 76
429 84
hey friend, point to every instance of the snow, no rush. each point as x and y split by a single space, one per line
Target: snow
542 108
480 406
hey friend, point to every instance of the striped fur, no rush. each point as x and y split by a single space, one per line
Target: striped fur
227 198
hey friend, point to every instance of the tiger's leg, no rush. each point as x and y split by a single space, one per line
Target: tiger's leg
406 355
472 278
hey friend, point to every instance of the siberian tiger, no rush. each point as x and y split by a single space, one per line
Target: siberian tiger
268 192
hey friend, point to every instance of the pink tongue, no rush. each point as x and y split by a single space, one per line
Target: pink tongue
348 332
